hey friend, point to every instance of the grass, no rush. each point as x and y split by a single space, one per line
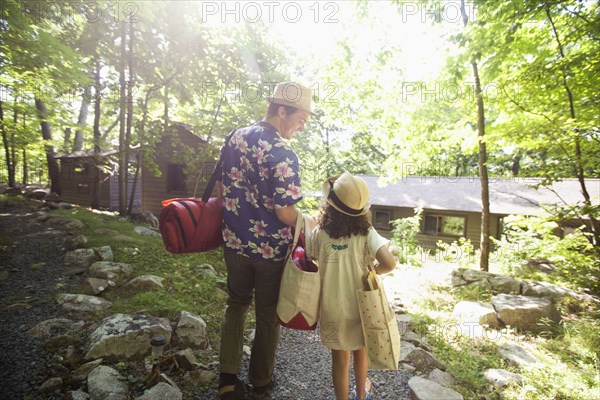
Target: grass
570 352
185 287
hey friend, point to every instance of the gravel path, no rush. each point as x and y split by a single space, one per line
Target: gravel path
31 271
303 372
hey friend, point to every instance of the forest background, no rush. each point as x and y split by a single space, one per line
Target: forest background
430 88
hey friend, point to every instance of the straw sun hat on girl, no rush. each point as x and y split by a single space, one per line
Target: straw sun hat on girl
348 194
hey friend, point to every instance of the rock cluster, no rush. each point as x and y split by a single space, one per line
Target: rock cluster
118 337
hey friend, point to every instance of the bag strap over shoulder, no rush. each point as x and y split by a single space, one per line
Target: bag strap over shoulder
216 172
298 228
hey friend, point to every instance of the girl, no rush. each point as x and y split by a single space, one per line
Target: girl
343 242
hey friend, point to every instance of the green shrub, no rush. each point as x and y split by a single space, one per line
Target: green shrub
526 238
404 239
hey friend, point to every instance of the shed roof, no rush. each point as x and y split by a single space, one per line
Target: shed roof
463 193
87 153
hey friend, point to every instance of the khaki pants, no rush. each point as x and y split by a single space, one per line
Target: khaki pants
244 276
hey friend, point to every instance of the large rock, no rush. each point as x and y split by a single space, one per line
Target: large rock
142 230
51 385
84 370
544 289
518 356
504 284
473 275
145 282
474 316
423 360
441 377
199 377
126 336
82 302
191 330
404 323
499 378
405 349
81 257
110 270
73 242
524 312
105 382
105 253
161 391
70 225
94 286
424 389
51 327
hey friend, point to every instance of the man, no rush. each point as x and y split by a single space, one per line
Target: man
260 185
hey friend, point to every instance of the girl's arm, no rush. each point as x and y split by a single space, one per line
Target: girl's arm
387 262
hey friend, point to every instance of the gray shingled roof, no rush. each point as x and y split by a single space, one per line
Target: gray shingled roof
507 196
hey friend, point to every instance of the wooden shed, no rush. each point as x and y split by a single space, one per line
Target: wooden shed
452 205
78 173
174 154
177 152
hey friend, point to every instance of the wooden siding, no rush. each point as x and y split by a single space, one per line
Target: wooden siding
76 186
428 241
155 188
114 193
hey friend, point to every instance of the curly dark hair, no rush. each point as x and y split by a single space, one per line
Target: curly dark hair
339 225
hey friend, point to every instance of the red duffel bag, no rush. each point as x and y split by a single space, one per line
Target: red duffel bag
190 225
193 225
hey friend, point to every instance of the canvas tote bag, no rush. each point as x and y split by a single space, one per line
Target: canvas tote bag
382 338
299 293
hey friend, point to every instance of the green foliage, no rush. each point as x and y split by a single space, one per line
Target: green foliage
526 238
404 238
186 287
461 252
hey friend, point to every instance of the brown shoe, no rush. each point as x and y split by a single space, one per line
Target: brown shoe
239 391
262 392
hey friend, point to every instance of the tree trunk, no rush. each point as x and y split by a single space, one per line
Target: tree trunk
122 126
579 172
483 176
13 147
9 167
484 242
166 109
53 168
25 172
83 113
95 200
130 66
78 140
516 165
66 147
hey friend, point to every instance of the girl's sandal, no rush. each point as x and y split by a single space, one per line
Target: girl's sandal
368 386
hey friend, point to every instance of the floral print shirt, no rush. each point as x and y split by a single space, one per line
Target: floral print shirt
260 173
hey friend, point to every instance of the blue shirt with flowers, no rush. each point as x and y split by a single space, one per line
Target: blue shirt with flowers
260 172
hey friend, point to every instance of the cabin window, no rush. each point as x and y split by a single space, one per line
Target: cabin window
83 188
381 219
444 225
175 178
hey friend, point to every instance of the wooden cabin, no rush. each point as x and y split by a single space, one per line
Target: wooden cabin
174 156
452 205
167 178
78 172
